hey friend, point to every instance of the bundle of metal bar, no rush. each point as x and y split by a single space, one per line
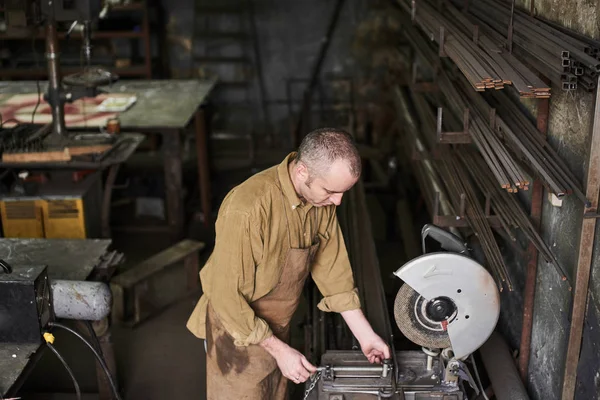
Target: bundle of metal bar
481 61
459 186
506 171
505 206
523 137
425 172
509 127
565 57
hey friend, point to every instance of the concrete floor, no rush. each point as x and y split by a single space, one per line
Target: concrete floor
161 359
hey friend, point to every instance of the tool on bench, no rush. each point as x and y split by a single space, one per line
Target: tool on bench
449 305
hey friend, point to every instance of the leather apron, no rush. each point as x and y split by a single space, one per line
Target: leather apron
250 372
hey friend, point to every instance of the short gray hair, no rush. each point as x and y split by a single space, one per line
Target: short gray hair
322 147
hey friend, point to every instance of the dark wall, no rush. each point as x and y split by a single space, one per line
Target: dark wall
289 36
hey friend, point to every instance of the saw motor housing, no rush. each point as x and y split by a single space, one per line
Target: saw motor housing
449 303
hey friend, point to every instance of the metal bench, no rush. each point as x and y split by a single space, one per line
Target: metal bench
132 300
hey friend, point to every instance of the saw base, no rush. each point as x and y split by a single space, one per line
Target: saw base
413 381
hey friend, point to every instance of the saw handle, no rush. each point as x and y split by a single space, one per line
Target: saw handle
448 241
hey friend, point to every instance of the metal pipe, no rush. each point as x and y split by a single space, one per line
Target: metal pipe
501 369
54 89
81 300
87 42
381 370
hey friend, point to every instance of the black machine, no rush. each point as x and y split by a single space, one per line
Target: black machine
48 13
84 83
25 304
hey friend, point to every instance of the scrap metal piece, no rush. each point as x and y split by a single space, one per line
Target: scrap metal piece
449 279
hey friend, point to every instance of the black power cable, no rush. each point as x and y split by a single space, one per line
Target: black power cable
62 360
100 359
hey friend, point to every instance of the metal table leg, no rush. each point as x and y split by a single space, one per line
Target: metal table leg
173 183
106 199
203 165
102 331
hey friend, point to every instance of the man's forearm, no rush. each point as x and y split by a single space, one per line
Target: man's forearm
272 345
358 324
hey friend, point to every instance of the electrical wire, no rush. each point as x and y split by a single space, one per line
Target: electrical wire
100 359
478 378
62 360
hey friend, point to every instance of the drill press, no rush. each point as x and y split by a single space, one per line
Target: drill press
54 145
84 83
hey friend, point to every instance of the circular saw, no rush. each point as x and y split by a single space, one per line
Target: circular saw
448 300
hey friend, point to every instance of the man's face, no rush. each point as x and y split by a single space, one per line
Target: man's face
329 188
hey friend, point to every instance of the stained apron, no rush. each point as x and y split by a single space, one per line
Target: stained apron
250 372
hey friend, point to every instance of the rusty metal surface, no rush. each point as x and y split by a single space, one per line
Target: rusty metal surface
168 103
532 253
69 259
586 246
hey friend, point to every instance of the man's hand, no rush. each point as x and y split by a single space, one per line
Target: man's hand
292 363
374 348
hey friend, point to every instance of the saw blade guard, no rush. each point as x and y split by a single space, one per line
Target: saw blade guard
450 300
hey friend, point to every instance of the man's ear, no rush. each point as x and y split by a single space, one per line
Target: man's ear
302 171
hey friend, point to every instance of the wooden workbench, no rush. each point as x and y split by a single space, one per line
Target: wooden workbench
167 107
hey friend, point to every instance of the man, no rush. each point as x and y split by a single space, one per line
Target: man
271 232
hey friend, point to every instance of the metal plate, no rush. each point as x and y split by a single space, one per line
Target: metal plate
465 282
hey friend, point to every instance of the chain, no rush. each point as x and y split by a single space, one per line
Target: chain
313 382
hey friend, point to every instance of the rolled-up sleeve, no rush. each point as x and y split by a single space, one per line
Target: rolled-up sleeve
231 285
332 273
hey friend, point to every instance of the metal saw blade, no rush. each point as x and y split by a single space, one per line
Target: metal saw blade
414 324
462 282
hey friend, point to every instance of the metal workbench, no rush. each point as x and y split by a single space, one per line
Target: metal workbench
68 259
167 107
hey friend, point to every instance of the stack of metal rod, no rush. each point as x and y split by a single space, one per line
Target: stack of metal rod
506 170
531 148
509 141
482 61
419 148
566 58
467 173
505 206
459 186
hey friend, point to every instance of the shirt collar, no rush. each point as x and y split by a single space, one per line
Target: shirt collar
286 182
